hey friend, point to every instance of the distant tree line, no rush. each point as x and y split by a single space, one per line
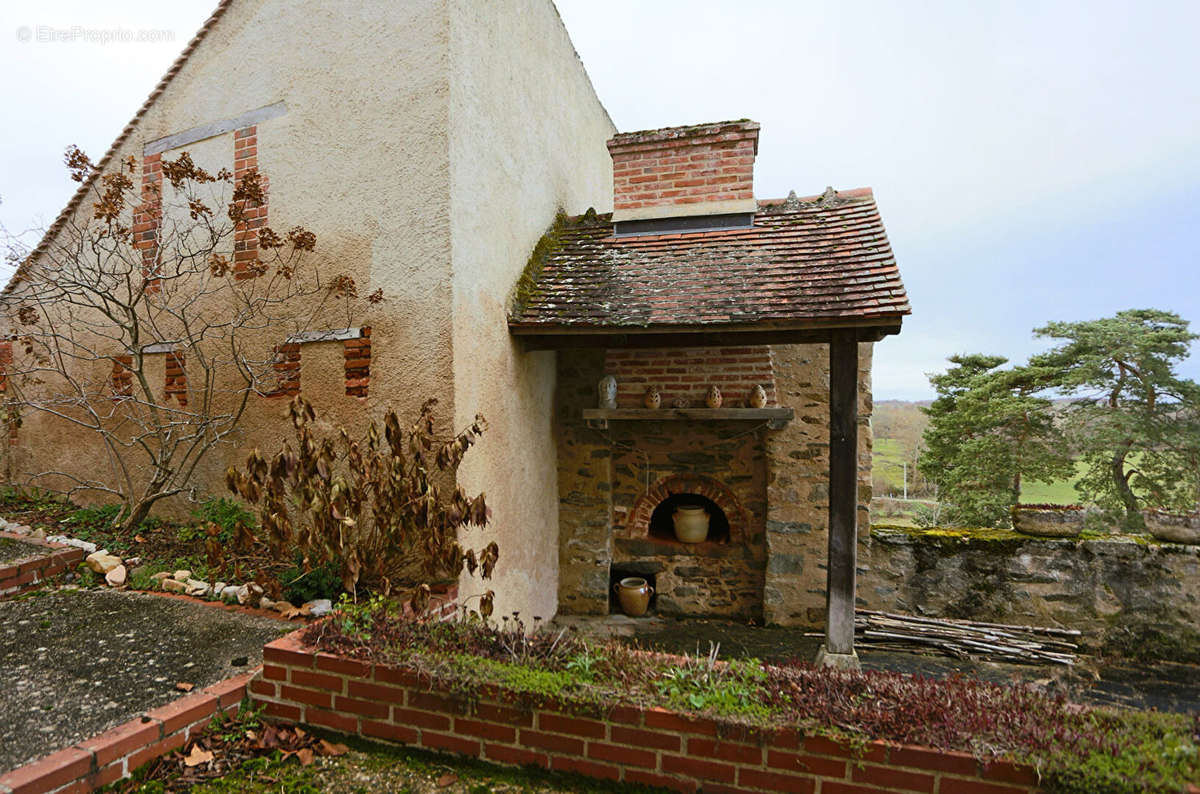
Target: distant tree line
1128 418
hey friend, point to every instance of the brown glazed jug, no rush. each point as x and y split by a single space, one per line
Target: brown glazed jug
634 594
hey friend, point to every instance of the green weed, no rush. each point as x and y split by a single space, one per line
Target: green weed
228 515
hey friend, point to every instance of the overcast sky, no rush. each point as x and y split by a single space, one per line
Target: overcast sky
1032 161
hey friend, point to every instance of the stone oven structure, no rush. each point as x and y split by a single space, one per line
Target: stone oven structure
692 284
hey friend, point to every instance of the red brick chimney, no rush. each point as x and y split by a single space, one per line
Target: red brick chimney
704 169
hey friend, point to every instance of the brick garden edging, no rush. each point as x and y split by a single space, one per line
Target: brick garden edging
117 752
22 576
649 746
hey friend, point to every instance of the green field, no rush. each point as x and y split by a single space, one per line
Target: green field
889 455
887 459
898 427
1060 492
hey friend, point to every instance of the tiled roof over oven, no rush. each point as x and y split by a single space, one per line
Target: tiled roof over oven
818 261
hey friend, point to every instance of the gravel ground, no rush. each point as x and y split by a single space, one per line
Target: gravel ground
74 663
14 550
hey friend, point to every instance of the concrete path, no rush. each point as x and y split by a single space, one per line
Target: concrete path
74 663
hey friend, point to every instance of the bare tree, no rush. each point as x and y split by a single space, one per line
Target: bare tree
179 276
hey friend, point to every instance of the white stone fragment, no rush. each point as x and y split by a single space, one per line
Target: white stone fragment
101 562
196 587
116 576
174 586
319 606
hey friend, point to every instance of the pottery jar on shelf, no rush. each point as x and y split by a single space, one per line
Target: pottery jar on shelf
633 593
691 523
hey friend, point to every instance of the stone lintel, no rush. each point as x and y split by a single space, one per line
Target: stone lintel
725 207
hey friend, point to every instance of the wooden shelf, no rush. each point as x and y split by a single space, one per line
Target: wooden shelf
775 418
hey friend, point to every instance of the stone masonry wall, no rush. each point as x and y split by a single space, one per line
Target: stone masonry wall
584 489
711 578
1126 596
798 484
602 474
779 477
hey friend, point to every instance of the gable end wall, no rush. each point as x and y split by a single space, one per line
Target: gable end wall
527 137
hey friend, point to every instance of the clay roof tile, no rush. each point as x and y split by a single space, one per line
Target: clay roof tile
822 259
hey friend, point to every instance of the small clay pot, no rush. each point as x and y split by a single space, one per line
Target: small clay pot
691 524
634 594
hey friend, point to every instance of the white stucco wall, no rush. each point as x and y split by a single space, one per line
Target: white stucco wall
361 157
428 145
527 136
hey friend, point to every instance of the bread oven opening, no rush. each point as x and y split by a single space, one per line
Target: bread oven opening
662 524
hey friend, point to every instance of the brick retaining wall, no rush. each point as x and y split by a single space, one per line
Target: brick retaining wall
633 745
116 753
21 576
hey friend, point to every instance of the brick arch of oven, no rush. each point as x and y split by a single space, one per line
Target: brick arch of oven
638 524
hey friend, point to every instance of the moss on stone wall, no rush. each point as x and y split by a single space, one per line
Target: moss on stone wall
994 535
1128 595
950 536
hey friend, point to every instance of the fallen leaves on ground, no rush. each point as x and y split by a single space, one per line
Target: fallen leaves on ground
220 750
331 748
197 756
290 611
185 686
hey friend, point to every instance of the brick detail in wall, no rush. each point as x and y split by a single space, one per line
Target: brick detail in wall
6 360
116 753
650 746
637 523
122 376
358 364
245 232
147 220
176 379
287 370
687 372
684 165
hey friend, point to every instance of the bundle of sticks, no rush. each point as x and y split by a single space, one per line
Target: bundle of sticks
965 639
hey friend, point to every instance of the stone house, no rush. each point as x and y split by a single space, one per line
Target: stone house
430 144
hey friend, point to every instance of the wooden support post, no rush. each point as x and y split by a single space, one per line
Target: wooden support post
838 650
